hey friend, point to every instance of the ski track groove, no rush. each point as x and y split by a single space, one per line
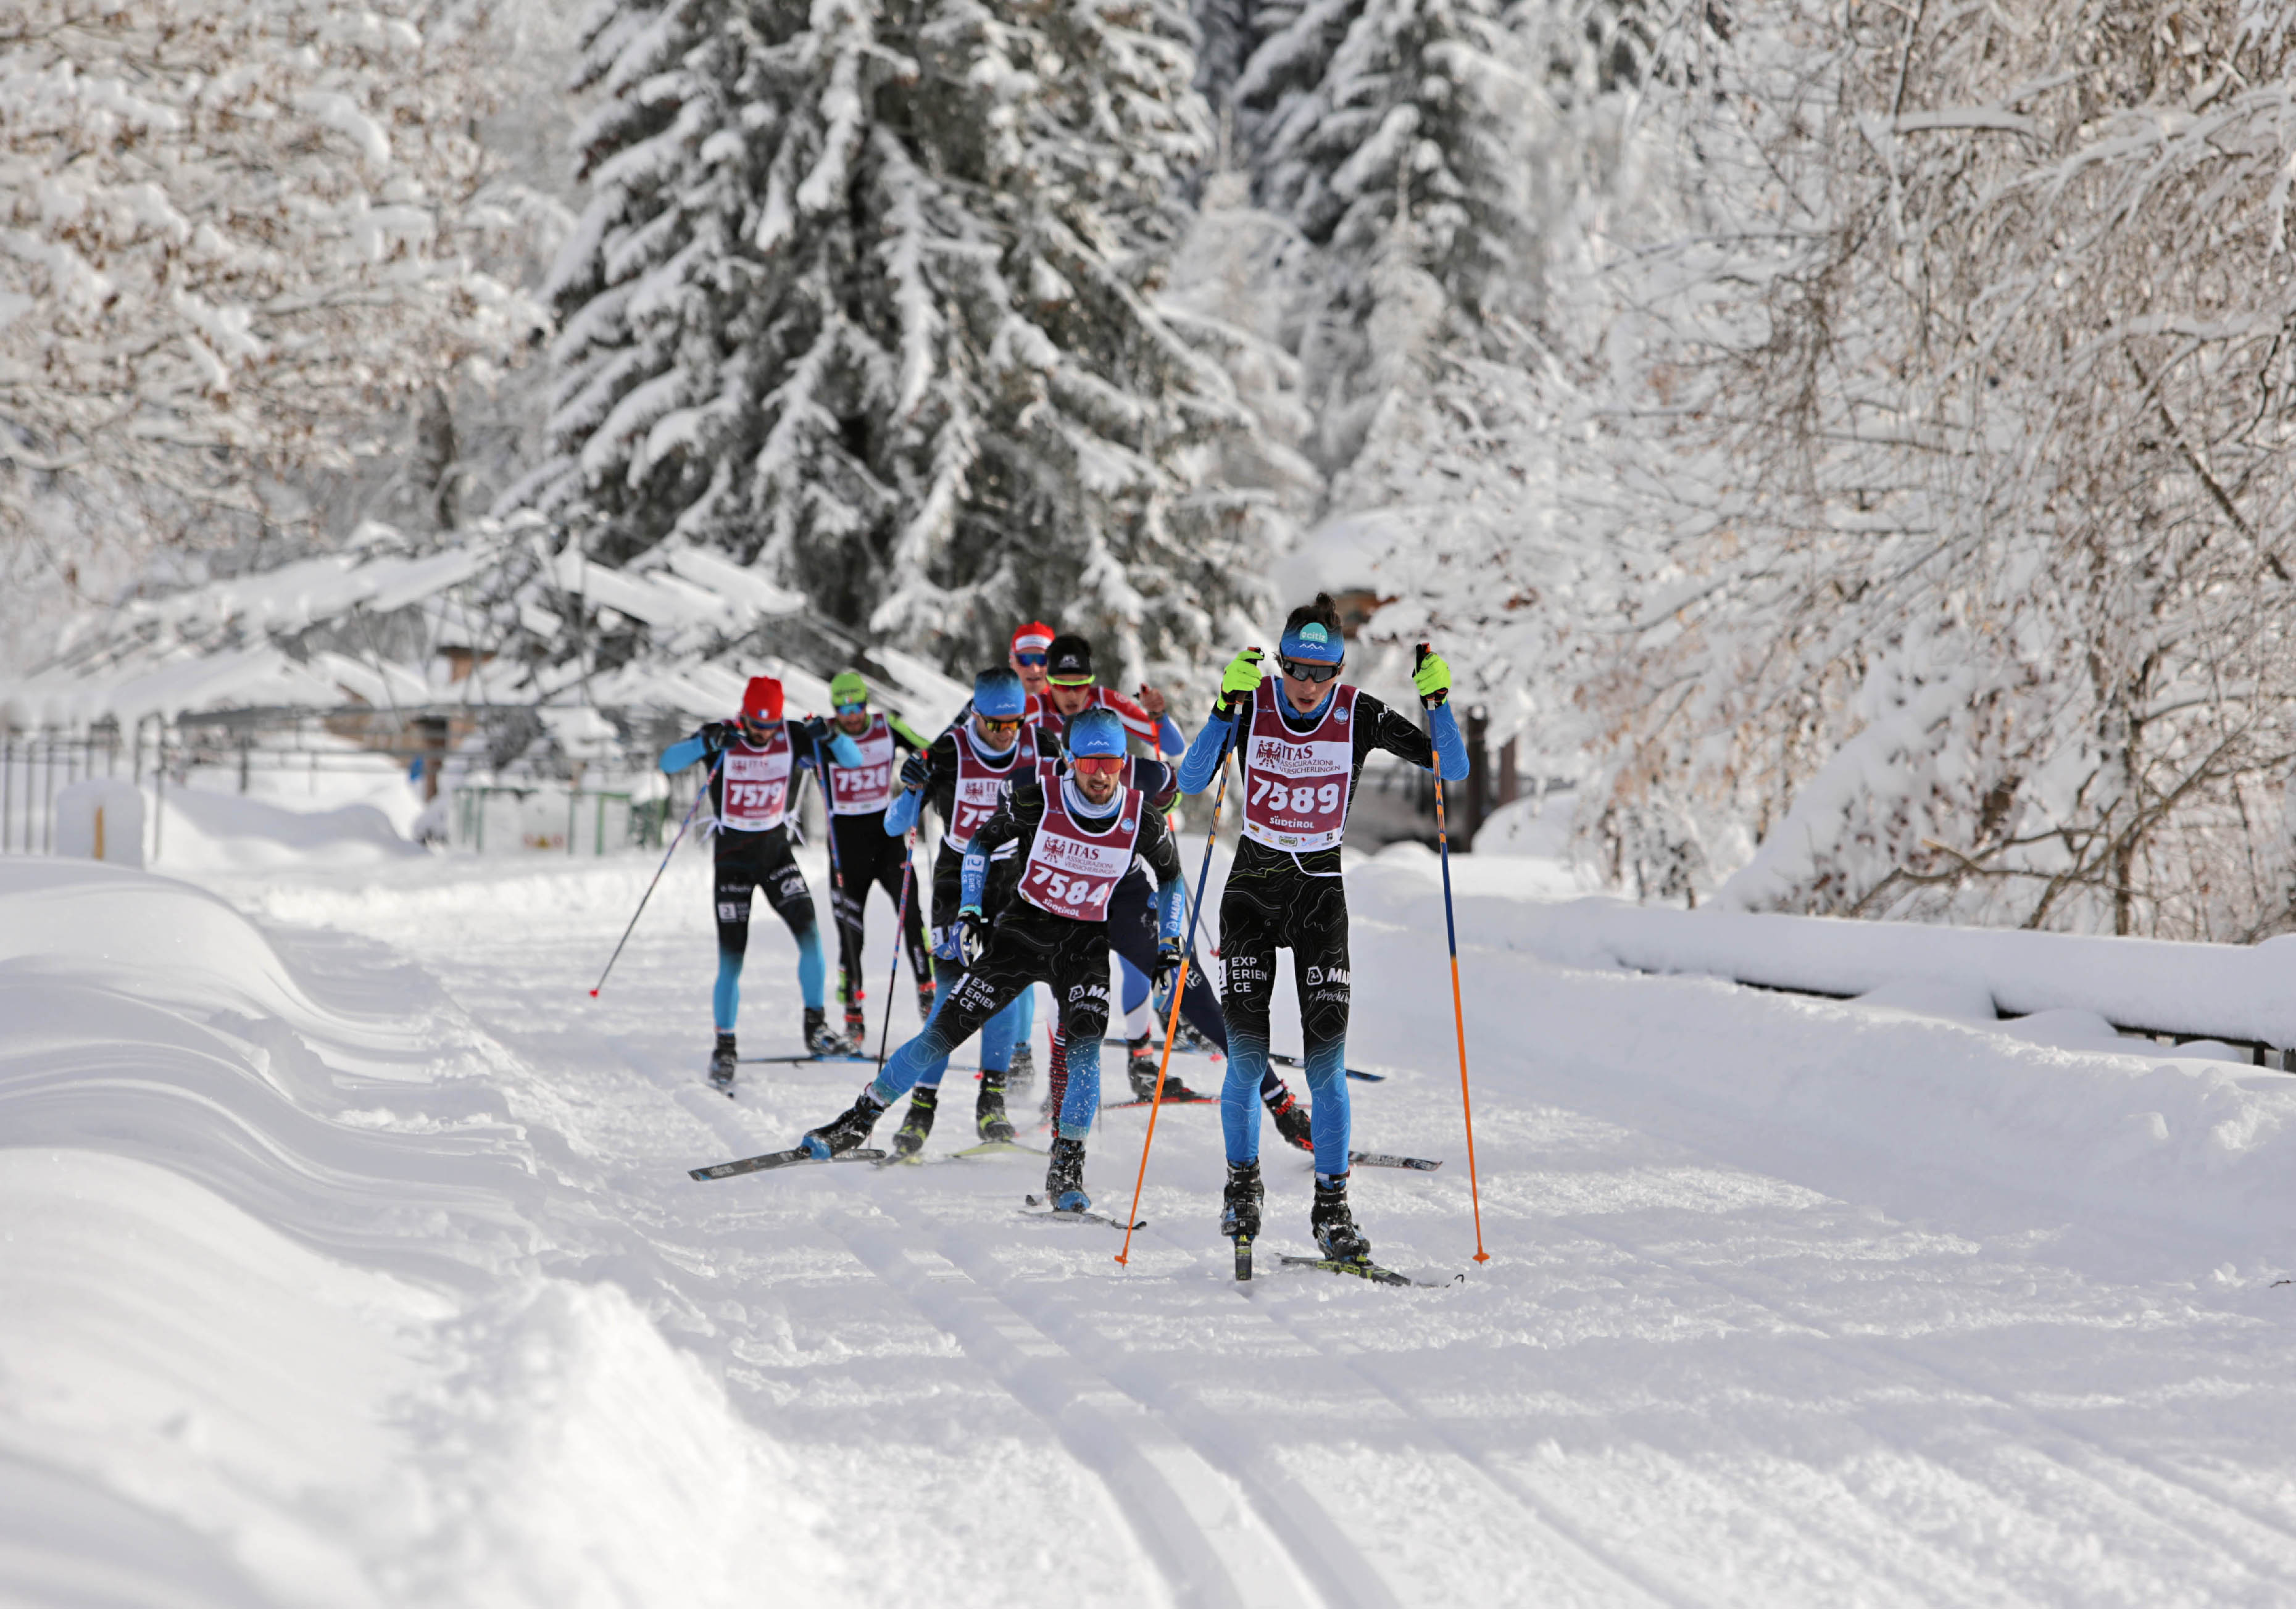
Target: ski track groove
1862 1352
1168 1490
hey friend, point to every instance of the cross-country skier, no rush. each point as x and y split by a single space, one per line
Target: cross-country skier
1300 738
757 757
857 797
1072 690
1081 837
963 774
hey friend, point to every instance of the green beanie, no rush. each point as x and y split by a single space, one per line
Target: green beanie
847 687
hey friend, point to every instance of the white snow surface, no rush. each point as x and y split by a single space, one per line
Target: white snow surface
352 1259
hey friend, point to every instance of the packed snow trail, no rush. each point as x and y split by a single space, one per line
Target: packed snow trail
353 1261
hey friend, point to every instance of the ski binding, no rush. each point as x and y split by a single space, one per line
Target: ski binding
1036 1206
1371 1271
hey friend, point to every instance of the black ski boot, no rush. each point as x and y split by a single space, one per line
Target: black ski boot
847 1130
1140 1067
723 1061
910 1138
1335 1226
1064 1177
856 1020
818 1038
1240 1205
989 1119
926 995
1022 1074
1291 1120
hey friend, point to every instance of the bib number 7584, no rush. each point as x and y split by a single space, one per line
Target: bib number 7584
1060 887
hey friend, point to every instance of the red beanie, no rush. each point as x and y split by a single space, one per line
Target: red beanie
763 698
1034 637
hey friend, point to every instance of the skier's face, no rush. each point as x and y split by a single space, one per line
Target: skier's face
1305 695
995 735
1071 701
1031 668
853 718
1099 785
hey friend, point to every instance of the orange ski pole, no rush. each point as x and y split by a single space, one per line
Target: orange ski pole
1172 1027
1458 1007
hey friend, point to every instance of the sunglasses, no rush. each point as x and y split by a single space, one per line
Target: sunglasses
1071 681
1099 765
1034 661
854 709
992 724
1305 672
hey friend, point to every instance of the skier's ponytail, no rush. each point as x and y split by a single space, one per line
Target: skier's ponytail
1322 612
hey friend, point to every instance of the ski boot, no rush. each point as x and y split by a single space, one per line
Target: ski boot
722 1062
1064 1177
1333 1224
1291 1120
927 995
846 1130
1240 1205
910 1138
989 1119
819 1040
1140 1067
1022 1074
856 1019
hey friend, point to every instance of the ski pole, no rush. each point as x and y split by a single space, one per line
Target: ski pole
1458 1007
900 930
1172 1027
701 794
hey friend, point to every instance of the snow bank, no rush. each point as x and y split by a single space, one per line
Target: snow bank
279 1329
205 832
1917 1071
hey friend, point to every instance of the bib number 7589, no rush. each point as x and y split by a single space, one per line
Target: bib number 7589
1302 801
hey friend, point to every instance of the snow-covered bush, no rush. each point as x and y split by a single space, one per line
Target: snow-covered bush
232 231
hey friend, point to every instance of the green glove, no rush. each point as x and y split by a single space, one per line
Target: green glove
1241 678
1431 677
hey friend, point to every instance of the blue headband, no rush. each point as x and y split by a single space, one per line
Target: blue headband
1313 644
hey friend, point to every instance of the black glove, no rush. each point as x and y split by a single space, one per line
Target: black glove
971 936
1168 964
716 734
915 771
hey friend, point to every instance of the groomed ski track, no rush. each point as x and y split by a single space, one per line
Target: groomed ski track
1779 1311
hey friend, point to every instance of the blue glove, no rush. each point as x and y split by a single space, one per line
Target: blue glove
1168 964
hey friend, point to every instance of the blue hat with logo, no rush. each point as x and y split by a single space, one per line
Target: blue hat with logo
1096 732
997 694
1314 643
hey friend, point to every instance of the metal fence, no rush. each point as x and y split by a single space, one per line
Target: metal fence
35 765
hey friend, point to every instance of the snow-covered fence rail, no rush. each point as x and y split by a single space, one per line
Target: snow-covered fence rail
2241 994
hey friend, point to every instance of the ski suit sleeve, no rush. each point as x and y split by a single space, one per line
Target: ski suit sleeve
848 751
1203 760
906 807
905 736
1450 747
1159 784
1162 855
683 753
1162 735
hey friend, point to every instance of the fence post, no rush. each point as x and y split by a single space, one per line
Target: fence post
158 786
7 786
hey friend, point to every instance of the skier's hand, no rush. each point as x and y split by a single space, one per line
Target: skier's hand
1151 700
914 771
1240 680
1431 677
971 935
1168 964
716 735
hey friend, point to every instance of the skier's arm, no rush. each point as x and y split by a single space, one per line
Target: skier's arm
812 735
1163 854
1201 762
904 737
706 742
1377 727
1018 812
1159 783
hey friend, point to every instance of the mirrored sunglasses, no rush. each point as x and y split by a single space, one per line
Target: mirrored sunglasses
1099 765
1308 672
999 724
1034 661
855 708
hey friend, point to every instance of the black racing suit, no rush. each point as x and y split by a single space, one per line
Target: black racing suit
1029 944
864 857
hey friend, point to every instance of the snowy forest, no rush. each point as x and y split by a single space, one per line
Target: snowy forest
1847 442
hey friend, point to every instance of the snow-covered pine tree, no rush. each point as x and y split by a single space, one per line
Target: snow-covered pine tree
863 299
1390 131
